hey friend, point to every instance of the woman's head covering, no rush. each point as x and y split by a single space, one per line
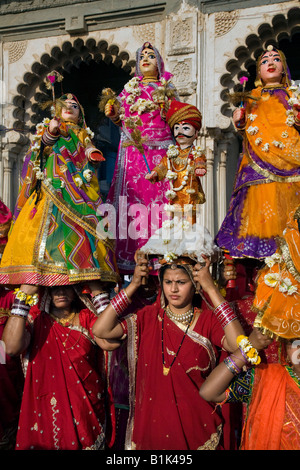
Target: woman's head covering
160 62
286 77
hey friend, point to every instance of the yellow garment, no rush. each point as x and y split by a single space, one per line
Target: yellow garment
267 205
277 297
21 251
265 209
270 117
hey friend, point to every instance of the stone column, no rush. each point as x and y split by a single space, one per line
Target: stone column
7 165
221 183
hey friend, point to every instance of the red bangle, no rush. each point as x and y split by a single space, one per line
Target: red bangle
120 302
225 314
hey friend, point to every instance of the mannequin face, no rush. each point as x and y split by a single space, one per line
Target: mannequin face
148 63
184 134
71 111
271 68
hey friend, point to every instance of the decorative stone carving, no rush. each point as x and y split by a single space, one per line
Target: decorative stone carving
16 50
225 21
181 37
145 32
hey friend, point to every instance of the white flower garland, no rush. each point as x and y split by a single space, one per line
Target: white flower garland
276 279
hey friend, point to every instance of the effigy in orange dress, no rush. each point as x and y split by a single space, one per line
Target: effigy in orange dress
267 184
277 297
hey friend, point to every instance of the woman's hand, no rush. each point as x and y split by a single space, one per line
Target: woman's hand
229 271
259 340
202 276
141 269
29 289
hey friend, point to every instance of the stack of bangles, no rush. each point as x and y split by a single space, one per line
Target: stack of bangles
231 365
120 302
225 314
101 301
22 303
48 138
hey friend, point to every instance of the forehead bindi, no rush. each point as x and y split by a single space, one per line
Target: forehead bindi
175 275
147 52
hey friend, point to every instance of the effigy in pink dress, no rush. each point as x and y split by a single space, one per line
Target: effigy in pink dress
130 194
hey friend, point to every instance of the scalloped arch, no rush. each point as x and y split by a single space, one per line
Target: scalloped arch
243 62
32 90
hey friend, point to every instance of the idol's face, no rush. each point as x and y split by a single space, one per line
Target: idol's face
184 134
148 63
71 111
271 68
178 288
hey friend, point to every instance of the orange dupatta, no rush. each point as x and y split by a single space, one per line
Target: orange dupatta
264 423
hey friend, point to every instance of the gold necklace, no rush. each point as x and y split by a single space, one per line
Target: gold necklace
181 160
63 321
149 79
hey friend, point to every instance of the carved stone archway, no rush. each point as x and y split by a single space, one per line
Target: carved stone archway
32 91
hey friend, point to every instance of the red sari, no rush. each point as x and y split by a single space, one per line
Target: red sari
63 404
167 412
11 381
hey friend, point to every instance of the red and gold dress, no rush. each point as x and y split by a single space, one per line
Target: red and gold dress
166 411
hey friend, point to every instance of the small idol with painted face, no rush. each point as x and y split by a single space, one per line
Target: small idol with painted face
185 134
69 113
271 68
271 72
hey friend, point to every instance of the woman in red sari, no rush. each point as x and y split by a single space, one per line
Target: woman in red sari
63 405
172 347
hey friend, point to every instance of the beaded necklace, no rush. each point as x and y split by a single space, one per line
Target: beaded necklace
166 369
184 318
